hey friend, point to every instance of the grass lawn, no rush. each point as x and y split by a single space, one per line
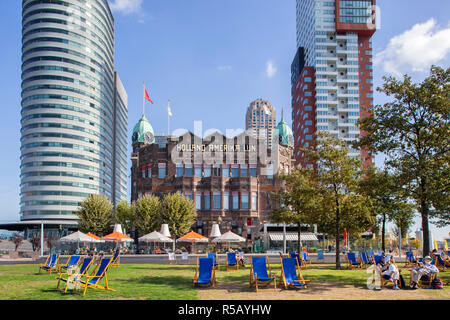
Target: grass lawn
174 282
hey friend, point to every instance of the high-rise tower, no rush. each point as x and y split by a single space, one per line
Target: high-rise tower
332 71
74 109
260 119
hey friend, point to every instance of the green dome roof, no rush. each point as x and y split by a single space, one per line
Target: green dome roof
284 134
143 132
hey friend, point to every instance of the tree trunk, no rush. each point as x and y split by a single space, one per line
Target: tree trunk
383 232
424 212
299 241
338 251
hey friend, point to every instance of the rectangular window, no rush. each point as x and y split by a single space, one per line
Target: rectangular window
244 200
161 170
254 201
180 170
253 170
188 195
198 201
198 171
143 172
234 171
226 201
235 199
226 171
207 201
269 171
216 170
244 170
188 170
207 172
217 199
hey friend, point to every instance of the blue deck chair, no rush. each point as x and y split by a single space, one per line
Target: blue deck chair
259 275
115 260
377 258
297 257
320 255
370 254
213 255
71 262
411 260
205 274
291 275
93 281
232 261
351 259
51 264
364 257
87 261
440 263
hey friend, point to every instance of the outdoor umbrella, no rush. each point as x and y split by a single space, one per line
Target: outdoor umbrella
78 237
118 237
154 237
192 237
229 237
94 236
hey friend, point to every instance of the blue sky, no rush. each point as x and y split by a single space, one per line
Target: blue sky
212 58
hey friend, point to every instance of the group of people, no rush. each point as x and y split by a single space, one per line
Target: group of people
390 271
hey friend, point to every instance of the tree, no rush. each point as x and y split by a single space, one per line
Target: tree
125 215
147 214
35 241
17 239
413 131
95 215
337 179
388 202
178 212
298 202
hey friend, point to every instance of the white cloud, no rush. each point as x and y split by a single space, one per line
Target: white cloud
415 49
126 6
271 70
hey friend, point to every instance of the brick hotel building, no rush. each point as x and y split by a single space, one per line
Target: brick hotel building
332 80
228 179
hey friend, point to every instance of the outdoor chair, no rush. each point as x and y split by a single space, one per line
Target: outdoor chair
411 260
320 255
205 274
71 262
352 263
51 265
377 259
297 257
291 275
215 257
365 259
440 263
87 262
231 262
115 260
425 280
259 275
93 281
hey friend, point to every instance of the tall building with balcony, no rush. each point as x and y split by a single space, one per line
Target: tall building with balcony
260 120
74 109
331 75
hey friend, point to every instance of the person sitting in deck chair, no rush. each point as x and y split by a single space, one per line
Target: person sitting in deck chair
427 269
391 272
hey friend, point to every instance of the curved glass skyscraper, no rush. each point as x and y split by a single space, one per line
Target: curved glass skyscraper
74 108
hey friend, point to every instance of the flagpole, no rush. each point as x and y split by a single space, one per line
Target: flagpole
143 98
168 119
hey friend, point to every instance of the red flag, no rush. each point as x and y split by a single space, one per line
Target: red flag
345 236
146 96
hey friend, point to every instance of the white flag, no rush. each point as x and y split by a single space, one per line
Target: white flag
169 110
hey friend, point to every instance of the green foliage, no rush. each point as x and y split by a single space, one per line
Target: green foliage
337 178
95 215
178 212
413 130
147 214
125 215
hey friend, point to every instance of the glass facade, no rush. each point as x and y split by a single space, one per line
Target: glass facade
74 109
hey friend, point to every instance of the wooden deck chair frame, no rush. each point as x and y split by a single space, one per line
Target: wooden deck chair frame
103 276
48 268
437 263
115 262
365 264
351 265
282 281
426 284
212 282
231 267
86 270
254 282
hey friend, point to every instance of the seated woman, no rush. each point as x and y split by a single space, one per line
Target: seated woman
391 272
427 269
